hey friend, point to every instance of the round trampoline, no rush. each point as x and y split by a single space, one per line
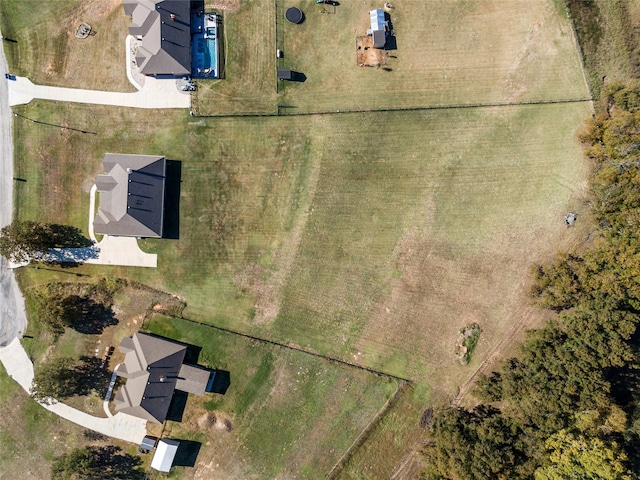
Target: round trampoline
294 15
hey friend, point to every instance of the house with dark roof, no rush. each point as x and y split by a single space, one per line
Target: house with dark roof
154 369
163 28
131 196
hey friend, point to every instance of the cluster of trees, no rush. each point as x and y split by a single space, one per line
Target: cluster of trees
85 307
97 463
23 241
569 405
64 377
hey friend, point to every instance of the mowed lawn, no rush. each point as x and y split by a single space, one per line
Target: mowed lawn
248 64
447 53
442 53
48 52
286 414
371 237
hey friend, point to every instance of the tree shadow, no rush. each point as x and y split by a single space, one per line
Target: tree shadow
66 236
173 181
114 464
90 376
221 382
187 453
86 316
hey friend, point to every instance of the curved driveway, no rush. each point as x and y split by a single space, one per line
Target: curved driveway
13 319
122 426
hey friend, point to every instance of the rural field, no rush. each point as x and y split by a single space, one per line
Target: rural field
372 237
286 414
443 53
48 52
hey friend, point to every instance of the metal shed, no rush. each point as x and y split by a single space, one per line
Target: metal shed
284 73
165 453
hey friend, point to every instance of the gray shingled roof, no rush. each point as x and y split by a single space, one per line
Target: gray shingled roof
193 379
165 28
153 368
131 196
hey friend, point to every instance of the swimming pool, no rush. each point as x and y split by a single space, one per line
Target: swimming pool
204 48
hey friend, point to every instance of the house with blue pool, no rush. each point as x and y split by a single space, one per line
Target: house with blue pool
175 38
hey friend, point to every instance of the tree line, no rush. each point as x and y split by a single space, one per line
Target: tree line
568 406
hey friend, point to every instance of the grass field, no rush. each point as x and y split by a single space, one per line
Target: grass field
48 52
609 39
249 66
372 237
328 232
31 436
286 414
455 53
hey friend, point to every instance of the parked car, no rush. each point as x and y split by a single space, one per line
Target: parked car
8 76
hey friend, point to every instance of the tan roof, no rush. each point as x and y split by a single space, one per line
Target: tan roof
193 379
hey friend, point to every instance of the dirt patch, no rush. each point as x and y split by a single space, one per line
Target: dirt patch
214 421
366 55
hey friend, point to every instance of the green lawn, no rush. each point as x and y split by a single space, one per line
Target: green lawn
30 436
48 52
371 237
248 66
329 232
286 414
445 53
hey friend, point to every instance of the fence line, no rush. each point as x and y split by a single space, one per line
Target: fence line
364 435
281 109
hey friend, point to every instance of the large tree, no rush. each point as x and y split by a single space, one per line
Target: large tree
28 240
97 463
575 456
55 379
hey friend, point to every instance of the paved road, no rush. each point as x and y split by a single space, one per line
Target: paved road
13 320
122 426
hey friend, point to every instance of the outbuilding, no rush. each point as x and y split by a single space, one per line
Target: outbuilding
285 73
165 454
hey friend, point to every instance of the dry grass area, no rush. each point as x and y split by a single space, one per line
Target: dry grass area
403 249
371 237
248 63
366 55
49 53
447 53
30 436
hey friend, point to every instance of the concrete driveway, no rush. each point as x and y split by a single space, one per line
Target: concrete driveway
122 426
116 250
155 94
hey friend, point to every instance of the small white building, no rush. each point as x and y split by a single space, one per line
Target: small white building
378 28
165 453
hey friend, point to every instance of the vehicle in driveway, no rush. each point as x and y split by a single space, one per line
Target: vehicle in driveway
8 76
